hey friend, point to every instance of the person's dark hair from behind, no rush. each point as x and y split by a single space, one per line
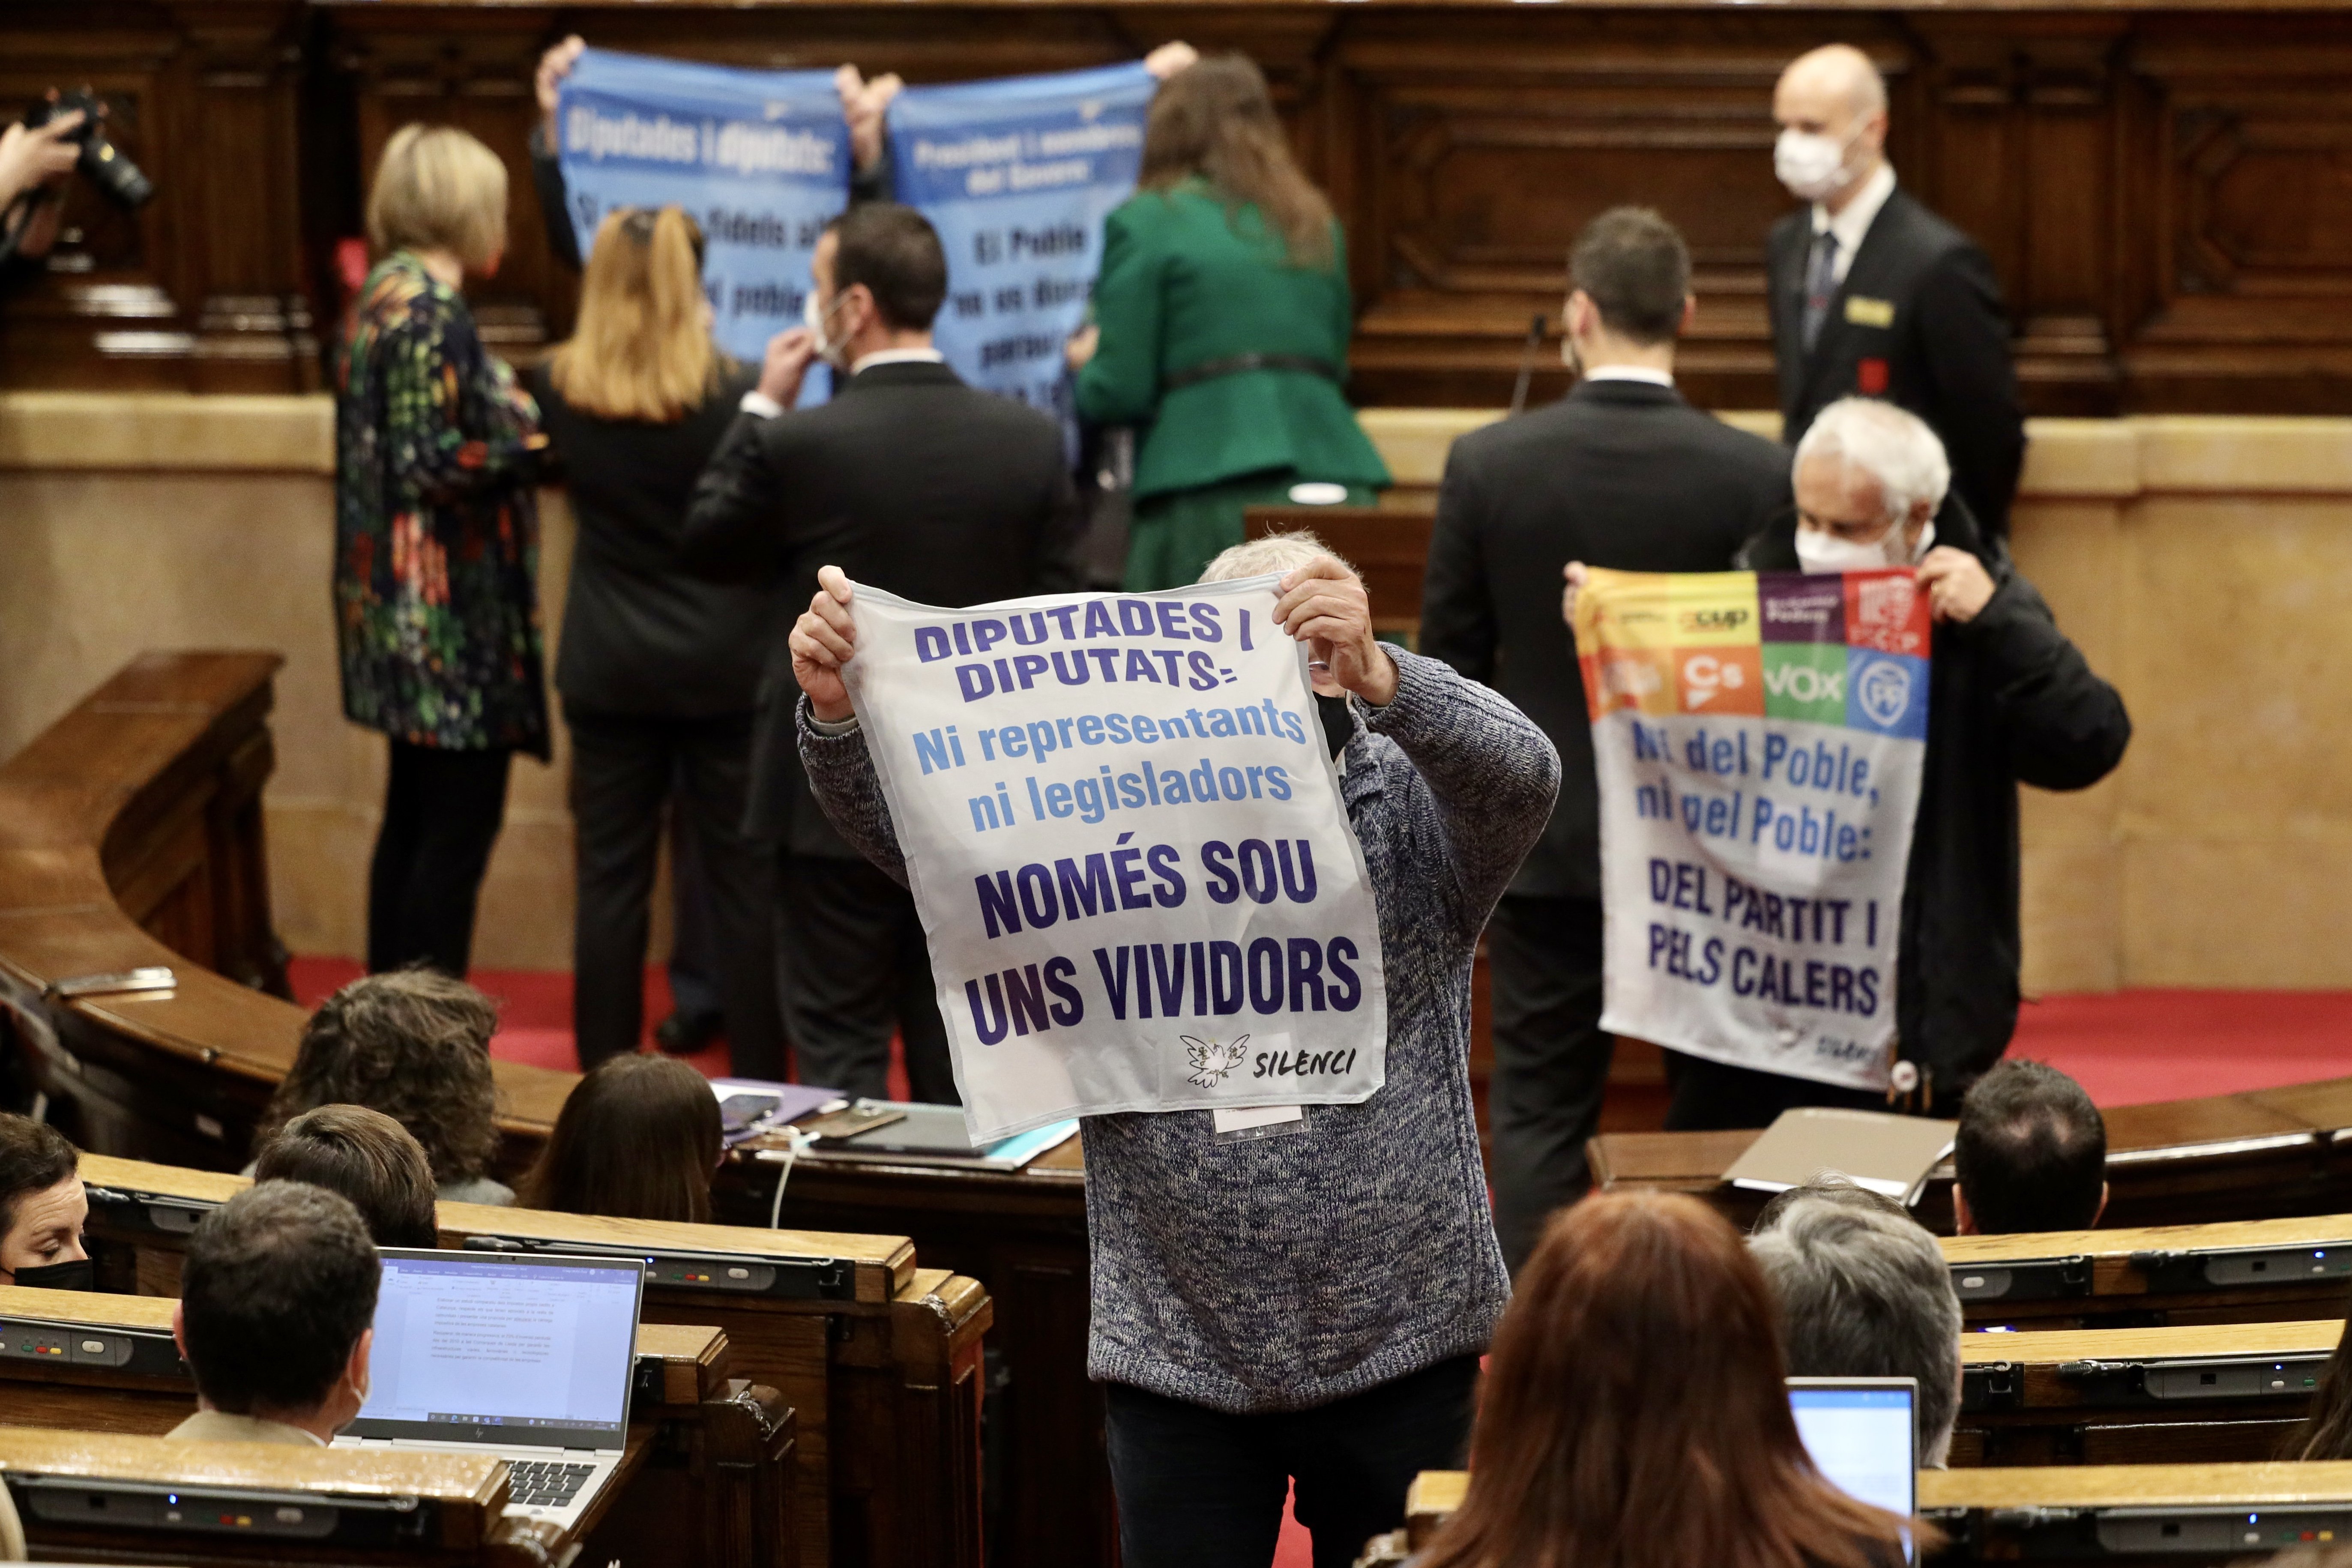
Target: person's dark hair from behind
368 1158
640 1137
895 253
278 1285
1860 1290
414 1044
1215 121
1634 265
2031 1155
1635 1414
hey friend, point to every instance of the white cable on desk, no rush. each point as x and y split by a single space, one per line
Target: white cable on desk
800 1142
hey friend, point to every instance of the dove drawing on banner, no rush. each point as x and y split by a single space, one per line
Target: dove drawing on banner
1211 1061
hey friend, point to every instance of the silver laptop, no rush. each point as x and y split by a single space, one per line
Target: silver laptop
529 1357
1863 1438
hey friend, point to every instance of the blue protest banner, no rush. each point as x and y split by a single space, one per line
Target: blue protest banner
1017 175
760 159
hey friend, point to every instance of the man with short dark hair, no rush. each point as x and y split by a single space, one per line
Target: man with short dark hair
909 481
1621 473
2031 1155
275 1317
1862 1291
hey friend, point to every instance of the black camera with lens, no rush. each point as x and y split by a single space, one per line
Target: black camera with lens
101 164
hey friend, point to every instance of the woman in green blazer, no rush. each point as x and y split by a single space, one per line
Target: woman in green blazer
1221 321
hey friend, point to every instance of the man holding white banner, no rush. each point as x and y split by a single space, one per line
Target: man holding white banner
1293 1266
1829 980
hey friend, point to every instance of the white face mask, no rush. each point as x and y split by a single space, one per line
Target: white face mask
1820 551
1810 164
815 320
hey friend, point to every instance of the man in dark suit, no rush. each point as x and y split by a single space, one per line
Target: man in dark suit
1872 294
1621 473
909 481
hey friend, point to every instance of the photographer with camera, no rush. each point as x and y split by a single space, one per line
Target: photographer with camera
34 161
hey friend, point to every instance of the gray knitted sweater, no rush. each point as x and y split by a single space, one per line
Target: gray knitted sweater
1287 1272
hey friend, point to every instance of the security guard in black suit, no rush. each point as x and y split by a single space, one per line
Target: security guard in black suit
1872 294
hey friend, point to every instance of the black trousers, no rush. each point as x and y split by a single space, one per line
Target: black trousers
1201 1489
442 812
1551 1060
850 947
693 944
623 770
1710 1097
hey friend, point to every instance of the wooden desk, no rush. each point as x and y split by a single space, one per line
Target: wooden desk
2179 1515
381 1507
2255 1155
880 1362
709 1478
2102 1396
130 835
2234 1272
1022 1234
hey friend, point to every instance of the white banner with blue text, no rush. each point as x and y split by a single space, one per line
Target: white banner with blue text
1126 838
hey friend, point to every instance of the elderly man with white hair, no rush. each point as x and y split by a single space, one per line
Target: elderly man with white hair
2010 701
1302 1300
1871 293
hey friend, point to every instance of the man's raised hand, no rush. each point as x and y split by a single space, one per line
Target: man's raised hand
1324 605
822 641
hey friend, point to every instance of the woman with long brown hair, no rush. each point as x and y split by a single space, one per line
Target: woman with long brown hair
1633 1413
659 670
1222 320
638 1138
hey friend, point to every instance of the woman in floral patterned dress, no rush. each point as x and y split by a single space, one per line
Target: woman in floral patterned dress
436 545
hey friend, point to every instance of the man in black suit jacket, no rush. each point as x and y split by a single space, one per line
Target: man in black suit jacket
1621 473
909 481
1873 295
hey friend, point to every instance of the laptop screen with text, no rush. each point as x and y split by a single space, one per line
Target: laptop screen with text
1860 1435
477 1349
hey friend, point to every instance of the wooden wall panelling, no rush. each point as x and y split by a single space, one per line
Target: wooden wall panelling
2246 152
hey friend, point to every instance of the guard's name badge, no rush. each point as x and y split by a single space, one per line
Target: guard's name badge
1865 312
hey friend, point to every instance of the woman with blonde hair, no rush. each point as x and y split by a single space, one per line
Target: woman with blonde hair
659 670
1223 319
436 545
1634 1413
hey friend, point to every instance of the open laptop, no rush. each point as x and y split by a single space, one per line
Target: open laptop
529 1357
1863 1437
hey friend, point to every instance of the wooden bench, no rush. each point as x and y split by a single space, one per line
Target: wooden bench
87 1497
2239 1271
719 1450
2112 1397
879 1361
130 835
2181 1516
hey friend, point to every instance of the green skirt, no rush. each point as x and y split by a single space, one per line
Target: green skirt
1175 535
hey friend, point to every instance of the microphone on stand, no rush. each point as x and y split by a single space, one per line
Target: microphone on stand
1527 365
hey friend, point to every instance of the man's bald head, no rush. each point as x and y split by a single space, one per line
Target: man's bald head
1836 92
1839 73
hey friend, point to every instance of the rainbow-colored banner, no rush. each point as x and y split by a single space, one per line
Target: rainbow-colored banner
1757 738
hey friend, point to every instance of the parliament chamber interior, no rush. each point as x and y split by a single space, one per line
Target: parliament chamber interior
1502 1305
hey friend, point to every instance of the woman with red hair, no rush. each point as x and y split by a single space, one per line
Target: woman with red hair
1634 1414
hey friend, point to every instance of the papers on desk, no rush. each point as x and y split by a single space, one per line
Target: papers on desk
1889 1154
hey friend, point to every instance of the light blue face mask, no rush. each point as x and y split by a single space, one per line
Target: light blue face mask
816 321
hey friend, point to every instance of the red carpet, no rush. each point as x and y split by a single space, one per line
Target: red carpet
2125 1047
